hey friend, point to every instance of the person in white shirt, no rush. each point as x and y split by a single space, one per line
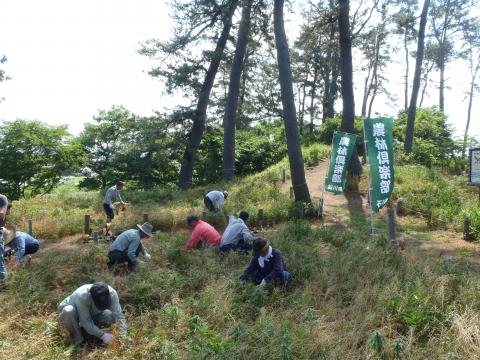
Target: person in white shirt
112 195
214 200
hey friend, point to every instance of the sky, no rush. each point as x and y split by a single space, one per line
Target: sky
70 58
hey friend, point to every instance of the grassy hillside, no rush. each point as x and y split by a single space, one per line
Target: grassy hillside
350 298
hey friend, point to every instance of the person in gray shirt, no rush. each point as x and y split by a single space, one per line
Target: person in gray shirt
88 310
112 194
127 246
237 235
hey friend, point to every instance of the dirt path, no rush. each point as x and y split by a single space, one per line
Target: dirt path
338 209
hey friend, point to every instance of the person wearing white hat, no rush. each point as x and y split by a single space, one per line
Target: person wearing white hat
127 246
214 200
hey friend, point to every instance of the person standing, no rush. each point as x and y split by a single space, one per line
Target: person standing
202 234
112 195
237 235
3 214
128 245
214 200
88 310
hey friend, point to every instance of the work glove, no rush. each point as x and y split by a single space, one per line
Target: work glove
148 256
140 263
107 338
262 283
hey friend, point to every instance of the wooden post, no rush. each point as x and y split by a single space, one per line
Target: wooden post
204 215
260 219
30 227
393 243
284 175
466 229
145 218
291 192
320 208
87 224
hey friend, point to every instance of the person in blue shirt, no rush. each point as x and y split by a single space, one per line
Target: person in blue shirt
112 195
24 246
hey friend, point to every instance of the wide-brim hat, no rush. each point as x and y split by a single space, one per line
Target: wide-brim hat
146 228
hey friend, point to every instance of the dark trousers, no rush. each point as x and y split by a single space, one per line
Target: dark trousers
257 278
208 204
108 211
240 246
31 248
118 257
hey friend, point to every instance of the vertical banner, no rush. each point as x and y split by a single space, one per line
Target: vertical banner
342 149
379 138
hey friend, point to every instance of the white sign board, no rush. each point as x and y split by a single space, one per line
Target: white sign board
474 173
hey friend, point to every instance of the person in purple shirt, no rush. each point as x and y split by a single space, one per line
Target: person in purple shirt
267 266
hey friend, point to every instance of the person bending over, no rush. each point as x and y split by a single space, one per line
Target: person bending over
24 246
214 200
88 310
203 234
237 236
267 266
128 245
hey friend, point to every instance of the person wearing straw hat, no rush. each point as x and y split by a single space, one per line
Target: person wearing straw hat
128 245
23 244
88 310
267 266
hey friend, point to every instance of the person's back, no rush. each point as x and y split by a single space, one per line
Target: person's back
236 235
123 241
128 245
214 199
202 232
24 244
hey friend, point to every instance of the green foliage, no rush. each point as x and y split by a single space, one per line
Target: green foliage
324 133
34 156
432 141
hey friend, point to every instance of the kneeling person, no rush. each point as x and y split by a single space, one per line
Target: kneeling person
127 246
89 309
237 236
24 245
267 266
203 234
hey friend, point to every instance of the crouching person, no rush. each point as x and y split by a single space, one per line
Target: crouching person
128 245
88 310
203 234
24 245
267 266
237 236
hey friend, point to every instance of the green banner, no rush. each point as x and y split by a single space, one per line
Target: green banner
342 149
379 139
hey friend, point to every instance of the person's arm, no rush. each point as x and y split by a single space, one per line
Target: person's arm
194 239
118 314
277 269
220 201
86 321
250 269
132 248
246 234
119 197
20 245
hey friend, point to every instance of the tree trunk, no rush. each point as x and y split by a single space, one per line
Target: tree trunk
346 70
441 100
312 98
295 157
375 74
302 111
231 106
366 91
200 113
416 79
407 66
470 102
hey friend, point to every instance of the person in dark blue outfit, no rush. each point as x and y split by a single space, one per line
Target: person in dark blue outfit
267 266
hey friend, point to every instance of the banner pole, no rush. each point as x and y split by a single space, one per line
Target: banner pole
372 223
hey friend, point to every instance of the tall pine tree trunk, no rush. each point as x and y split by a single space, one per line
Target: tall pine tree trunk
229 119
200 113
416 79
441 100
295 157
407 66
312 98
346 70
470 102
